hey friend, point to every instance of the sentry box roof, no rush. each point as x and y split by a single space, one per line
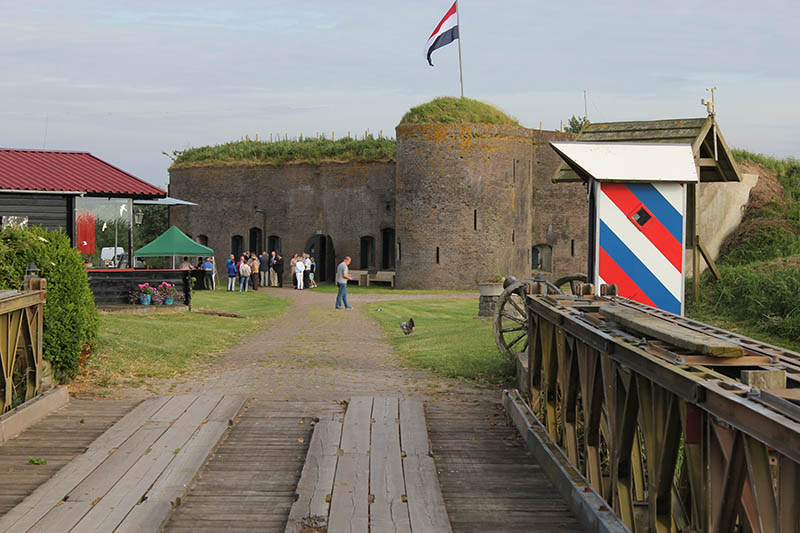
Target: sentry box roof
711 152
629 162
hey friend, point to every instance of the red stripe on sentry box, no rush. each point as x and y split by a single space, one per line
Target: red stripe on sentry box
611 272
653 229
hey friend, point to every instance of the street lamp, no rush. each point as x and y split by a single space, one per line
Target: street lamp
138 215
31 272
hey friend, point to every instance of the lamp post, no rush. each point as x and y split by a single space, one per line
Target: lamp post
31 272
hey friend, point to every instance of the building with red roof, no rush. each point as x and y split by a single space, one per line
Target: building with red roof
76 192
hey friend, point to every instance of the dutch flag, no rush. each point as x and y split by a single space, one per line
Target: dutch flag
445 33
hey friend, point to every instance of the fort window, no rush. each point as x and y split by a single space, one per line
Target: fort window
202 239
513 171
542 257
437 255
387 248
367 252
399 251
475 219
572 247
256 240
274 244
513 235
237 246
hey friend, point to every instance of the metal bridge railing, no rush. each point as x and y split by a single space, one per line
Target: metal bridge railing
21 326
656 412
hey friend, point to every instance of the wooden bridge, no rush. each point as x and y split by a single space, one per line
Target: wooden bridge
228 463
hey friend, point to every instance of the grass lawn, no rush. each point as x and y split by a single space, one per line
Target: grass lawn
743 327
330 288
134 346
447 339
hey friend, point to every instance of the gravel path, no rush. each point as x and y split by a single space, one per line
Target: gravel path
315 353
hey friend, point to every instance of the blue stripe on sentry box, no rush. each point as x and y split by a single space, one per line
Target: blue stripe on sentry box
637 271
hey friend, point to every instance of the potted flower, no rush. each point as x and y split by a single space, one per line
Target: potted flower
143 294
167 292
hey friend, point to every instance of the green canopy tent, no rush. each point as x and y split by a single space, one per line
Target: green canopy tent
173 242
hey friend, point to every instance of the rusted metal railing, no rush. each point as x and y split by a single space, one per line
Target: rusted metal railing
678 425
21 333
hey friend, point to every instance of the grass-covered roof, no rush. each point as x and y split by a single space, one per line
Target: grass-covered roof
313 151
447 109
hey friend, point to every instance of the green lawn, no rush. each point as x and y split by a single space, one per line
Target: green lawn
165 345
330 288
447 338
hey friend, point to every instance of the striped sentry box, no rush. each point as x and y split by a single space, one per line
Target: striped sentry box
640 230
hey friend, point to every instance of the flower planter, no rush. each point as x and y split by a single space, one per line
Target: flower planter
168 301
490 288
490 296
144 299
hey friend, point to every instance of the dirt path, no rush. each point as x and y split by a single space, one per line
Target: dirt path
314 353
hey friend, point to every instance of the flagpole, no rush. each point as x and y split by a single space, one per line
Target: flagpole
460 71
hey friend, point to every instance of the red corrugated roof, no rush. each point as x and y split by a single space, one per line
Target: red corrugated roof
51 170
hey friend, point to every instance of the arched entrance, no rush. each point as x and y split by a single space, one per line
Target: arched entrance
320 247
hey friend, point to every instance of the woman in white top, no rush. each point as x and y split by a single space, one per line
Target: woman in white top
299 268
244 275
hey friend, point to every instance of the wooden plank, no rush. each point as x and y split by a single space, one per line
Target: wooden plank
350 500
174 408
413 431
355 433
36 505
109 512
151 513
387 512
671 333
315 488
425 502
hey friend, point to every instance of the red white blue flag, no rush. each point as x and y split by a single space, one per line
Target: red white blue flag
445 33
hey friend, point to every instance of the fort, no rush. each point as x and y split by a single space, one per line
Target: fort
451 202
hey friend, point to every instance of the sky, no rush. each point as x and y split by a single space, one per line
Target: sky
131 81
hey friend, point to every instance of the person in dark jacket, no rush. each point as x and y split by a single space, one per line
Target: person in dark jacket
231 267
279 269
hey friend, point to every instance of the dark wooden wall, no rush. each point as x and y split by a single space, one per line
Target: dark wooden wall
50 211
113 286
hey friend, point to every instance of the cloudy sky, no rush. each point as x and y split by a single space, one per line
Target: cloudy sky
128 81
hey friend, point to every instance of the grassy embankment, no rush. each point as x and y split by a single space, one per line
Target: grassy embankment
760 267
448 109
278 153
133 346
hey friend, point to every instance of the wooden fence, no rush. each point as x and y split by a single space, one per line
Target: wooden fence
113 286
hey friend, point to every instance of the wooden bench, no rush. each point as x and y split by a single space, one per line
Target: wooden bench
360 276
370 470
382 276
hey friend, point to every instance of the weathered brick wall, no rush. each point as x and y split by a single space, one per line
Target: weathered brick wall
466 190
342 200
560 210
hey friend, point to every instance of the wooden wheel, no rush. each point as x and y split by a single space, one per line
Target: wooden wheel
572 282
511 320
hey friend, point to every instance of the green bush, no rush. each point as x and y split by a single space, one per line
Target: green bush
70 316
763 242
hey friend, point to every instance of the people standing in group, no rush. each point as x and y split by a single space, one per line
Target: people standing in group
278 267
244 274
230 266
299 269
293 270
342 276
312 275
254 271
273 278
306 271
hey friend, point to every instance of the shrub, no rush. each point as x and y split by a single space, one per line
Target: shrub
70 316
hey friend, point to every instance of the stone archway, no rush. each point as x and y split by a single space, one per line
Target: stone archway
320 247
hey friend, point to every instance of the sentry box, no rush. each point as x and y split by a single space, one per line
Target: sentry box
637 216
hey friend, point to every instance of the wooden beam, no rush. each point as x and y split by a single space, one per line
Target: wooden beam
709 260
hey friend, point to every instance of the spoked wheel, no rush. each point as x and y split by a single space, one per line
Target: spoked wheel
570 284
511 320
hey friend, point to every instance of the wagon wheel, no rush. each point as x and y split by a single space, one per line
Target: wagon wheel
511 320
574 281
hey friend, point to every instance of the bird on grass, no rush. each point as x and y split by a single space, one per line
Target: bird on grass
407 327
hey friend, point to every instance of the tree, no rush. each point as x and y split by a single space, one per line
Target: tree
576 124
